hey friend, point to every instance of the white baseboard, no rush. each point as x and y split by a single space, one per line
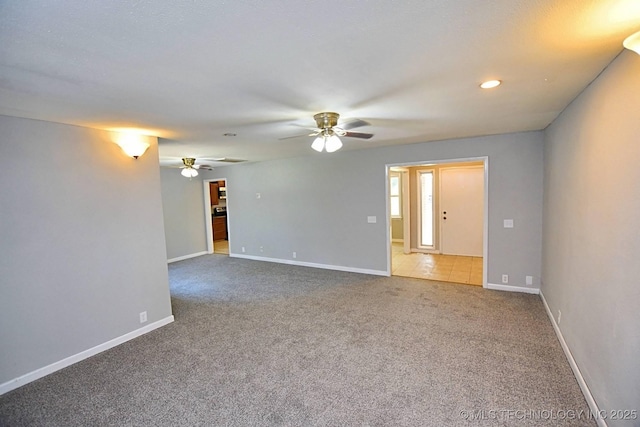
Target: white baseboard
312 264
180 258
593 406
56 366
509 288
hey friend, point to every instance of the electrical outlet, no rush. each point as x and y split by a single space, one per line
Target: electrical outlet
261 249
559 316
295 255
529 280
505 278
143 317
243 249
258 195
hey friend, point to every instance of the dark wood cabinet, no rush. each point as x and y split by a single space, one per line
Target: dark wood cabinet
219 228
213 192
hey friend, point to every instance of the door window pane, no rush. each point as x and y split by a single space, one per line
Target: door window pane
426 208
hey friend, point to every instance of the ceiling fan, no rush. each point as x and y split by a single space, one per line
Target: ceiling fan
190 169
328 132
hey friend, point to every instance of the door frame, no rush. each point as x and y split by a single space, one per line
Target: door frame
485 208
207 213
404 208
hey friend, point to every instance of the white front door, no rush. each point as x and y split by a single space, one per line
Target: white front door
461 210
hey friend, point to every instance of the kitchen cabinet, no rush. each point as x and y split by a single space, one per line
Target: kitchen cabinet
219 228
213 192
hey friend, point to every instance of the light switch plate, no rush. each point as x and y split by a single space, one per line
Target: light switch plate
508 223
372 219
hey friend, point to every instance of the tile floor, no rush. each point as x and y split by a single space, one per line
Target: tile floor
446 268
221 247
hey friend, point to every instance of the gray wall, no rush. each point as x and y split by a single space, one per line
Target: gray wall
591 238
183 207
318 205
82 248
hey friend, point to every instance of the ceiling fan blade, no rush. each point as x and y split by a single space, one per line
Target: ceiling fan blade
294 136
298 136
358 135
227 160
355 123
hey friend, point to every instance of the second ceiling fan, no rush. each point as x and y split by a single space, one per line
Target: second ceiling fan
328 132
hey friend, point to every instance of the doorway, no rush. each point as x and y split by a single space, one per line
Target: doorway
217 218
445 220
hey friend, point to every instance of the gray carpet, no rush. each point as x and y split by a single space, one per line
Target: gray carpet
257 343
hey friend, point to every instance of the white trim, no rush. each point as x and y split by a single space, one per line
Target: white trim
510 288
56 366
485 230
180 258
593 406
312 264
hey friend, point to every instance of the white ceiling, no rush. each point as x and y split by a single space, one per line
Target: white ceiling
190 71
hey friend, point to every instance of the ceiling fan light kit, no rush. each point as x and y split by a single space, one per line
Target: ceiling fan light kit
327 141
332 144
188 170
318 144
327 133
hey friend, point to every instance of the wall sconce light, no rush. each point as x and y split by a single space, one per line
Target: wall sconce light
133 145
633 42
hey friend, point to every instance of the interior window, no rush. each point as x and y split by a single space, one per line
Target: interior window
395 196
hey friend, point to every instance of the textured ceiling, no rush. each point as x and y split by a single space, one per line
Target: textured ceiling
190 72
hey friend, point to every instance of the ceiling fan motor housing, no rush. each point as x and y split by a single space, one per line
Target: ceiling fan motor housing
326 120
188 161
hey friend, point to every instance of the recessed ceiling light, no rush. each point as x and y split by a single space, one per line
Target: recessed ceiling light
490 84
